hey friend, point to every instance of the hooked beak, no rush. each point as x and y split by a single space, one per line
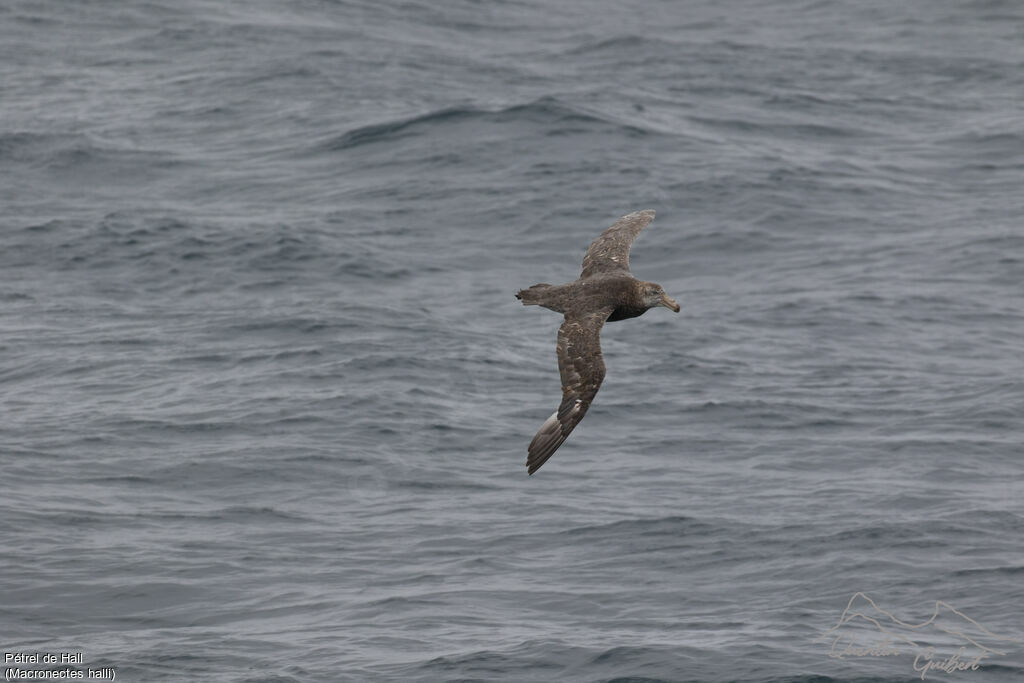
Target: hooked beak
668 302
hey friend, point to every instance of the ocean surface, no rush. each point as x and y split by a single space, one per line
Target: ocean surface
265 390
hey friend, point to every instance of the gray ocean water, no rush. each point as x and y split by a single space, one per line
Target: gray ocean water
266 392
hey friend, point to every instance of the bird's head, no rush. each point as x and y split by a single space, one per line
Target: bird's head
654 295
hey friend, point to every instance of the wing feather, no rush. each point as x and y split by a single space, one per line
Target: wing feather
582 369
610 252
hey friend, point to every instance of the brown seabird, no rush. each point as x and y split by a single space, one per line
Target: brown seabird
605 291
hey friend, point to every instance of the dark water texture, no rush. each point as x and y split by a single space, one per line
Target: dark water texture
266 392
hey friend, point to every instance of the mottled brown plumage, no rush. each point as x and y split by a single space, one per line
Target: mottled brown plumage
605 291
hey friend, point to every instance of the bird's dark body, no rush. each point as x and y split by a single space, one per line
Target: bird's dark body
591 294
605 291
624 312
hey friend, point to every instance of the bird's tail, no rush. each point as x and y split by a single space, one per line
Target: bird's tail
532 296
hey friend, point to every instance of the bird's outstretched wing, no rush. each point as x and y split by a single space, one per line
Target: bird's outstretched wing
610 251
582 369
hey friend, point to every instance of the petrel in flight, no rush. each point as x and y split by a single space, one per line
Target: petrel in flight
605 291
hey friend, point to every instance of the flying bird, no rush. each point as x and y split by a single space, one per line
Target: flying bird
605 291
